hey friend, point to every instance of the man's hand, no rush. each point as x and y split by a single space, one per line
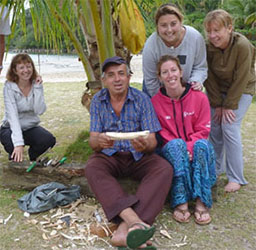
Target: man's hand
17 154
145 144
105 141
99 141
140 144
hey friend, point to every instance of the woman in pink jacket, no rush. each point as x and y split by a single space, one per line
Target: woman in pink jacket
184 115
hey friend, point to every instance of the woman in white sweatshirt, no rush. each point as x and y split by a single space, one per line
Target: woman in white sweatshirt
174 38
24 102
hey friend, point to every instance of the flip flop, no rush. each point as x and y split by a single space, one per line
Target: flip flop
183 212
137 237
147 248
204 222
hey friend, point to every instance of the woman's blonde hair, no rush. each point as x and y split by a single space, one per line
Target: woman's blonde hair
220 16
18 59
168 9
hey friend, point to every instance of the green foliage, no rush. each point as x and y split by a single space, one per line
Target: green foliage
194 11
240 10
21 40
79 150
243 13
148 9
254 99
249 33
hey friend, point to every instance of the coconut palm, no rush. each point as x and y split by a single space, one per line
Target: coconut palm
74 21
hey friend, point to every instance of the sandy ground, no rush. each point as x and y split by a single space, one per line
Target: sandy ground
55 68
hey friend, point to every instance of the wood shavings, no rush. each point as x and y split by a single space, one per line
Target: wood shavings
76 204
72 237
166 234
160 239
7 219
44 222
26 214
59 213
33 221
44 236
180 244
73 224
53 232
59 227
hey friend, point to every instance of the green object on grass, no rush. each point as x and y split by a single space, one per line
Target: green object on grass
31 166
63 160
143 248
137 237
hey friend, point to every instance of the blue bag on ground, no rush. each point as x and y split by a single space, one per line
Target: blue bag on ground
48 196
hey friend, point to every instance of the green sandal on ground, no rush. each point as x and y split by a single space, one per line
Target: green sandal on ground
137 237
147 248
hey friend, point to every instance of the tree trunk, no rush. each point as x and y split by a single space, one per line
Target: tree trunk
93 87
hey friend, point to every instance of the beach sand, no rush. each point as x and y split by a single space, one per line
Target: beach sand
55 68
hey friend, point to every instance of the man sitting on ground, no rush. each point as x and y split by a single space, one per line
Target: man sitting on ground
121 108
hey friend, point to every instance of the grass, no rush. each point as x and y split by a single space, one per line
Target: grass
233 224
79 150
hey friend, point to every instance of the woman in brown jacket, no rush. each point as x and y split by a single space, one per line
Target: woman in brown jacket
230 87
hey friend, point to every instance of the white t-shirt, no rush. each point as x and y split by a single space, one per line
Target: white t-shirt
4 22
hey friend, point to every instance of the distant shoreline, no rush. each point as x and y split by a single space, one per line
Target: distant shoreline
66 67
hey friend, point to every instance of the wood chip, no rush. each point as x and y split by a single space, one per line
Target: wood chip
33 221
53 232
166 234
44 236
7 219
26 214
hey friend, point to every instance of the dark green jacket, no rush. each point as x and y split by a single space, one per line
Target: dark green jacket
230 72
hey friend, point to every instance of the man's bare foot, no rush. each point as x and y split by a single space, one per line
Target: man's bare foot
181 213
202 215
232 187
119 236
124 235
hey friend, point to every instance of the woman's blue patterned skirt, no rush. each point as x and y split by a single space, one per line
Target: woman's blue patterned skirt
191 179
